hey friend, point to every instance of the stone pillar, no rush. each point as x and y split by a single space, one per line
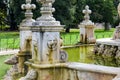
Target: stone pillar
46 36
25 36
46 56
87 28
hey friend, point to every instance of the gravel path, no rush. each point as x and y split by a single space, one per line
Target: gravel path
9 52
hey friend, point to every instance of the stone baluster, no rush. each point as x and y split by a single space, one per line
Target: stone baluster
25 36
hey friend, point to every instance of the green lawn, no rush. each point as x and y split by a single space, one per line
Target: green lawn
3 67
9 34
11 39
73 37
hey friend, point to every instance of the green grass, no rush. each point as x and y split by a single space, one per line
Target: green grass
11 39
73 37
9 34
3 67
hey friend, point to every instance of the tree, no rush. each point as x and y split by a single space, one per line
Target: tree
62 12
2 13
80 5
104 14
69 12
108 13
116 19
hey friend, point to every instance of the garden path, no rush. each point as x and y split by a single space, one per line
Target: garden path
9 52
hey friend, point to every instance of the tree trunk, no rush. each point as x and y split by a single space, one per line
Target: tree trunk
67 30
107 26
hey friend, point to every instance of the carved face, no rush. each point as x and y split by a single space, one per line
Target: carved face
52 43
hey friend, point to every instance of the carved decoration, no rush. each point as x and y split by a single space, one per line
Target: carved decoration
31 75
28 14
63 56
35 49
101 49
87 11
96 48
12 61
52 43
46 10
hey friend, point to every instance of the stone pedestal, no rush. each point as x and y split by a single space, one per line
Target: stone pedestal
87 33
87 28
45 45
25 37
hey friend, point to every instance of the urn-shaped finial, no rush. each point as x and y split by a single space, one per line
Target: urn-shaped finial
28 7
46 10
87 11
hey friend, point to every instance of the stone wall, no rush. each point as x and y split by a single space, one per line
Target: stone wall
81 71
75 71
107 52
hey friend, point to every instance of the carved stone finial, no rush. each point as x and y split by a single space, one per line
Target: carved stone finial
28 7
46 10
87 11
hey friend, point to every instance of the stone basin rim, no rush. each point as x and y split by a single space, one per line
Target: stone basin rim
108 41
78 66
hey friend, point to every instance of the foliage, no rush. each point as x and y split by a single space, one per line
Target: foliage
69 12
2 13
62 12
80 5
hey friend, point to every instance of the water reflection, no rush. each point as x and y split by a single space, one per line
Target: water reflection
81 53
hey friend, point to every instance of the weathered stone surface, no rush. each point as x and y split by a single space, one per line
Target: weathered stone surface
87 28
31 75
110 50
25 36
10 73
106 54
12 61
74 71
46 56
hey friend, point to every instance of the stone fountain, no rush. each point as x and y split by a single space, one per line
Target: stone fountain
25 51
87 28
40 51
46 56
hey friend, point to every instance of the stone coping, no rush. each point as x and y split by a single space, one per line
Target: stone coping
93 68
108 41
77 45
79 67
